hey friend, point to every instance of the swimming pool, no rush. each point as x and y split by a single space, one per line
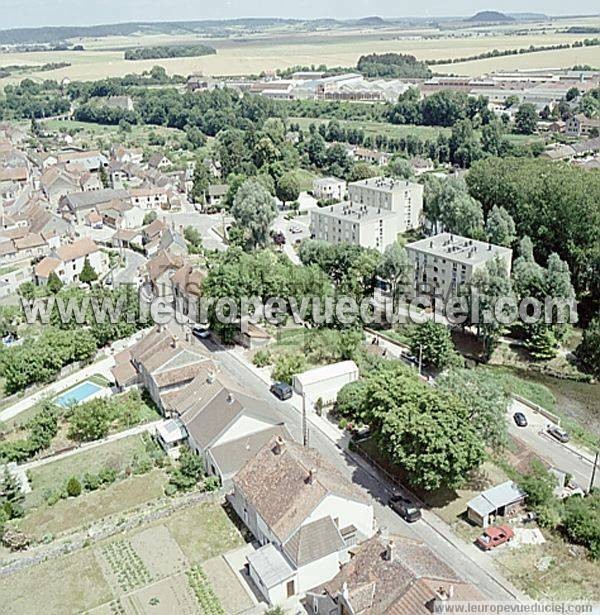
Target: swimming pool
78 394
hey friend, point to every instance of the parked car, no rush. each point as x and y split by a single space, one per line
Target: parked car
200 332
281 390
560 434
520 419
405 508
495 536
361 433
295 230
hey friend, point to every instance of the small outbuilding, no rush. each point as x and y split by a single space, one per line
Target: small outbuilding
500 500
325 382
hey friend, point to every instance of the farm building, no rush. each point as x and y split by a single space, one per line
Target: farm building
325 382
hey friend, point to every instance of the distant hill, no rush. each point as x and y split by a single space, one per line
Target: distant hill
490 17
371 21
529 16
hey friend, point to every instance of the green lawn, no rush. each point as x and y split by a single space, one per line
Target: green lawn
50 477
69 514
205 531
71 584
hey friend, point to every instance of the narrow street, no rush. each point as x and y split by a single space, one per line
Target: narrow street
476 566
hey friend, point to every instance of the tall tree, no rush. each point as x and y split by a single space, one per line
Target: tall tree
395 269
526 119
500 227
254 211
433 343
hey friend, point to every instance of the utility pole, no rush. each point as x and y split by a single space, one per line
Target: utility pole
304 422
593 478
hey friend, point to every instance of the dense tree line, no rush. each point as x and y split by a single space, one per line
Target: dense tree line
556 205
169 51
392 66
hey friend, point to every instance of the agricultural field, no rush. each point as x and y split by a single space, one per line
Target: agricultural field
142 571
252 54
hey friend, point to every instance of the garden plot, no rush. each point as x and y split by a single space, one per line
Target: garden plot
159 552
227 587
205 595
170 595
122 567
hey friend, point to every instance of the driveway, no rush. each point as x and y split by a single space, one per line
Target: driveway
129 274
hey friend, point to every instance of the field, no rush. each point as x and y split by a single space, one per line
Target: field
67 515
255 53
141 571
51 476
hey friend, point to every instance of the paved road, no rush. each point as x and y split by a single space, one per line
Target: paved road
129 274
473 564
566 457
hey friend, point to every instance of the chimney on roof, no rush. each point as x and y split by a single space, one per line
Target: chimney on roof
174 341
210 378
345 592
312 476
390 551
230 398
279 445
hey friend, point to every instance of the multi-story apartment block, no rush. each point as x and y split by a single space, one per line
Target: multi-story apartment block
445 262
378 210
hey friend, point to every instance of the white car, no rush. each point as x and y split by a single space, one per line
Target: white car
295 229
200 331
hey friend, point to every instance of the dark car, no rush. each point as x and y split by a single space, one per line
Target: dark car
281 390
405 508
560 434
520 419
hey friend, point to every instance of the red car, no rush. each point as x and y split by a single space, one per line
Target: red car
494 536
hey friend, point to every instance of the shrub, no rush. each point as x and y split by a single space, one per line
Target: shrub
73 487
91 482
211 483
262 358
107 476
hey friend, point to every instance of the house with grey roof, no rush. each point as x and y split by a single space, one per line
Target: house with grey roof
225 426
304 513
76 205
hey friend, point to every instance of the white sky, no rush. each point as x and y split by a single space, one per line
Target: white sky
25 13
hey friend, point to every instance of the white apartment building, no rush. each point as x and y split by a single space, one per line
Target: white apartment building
378 210
445 262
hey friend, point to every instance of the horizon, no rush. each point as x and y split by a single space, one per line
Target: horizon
150 12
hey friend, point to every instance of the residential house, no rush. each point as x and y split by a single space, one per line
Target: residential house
162 364
371 156
56 183
186 285
215 195
579 125
90 160
392 575
173 242
329 188
151 197
160 270
158 161
303 512
67 261
76 205
225 426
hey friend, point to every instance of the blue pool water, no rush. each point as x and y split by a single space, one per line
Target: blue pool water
78 394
